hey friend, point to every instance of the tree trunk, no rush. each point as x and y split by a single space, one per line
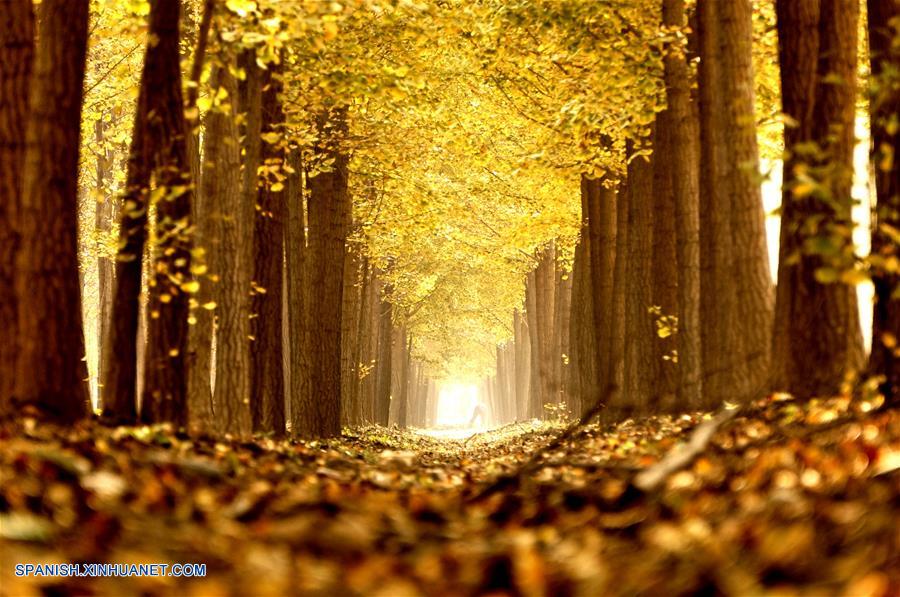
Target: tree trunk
585 378
616 373
535 389
200 332
50 372
16 54
718 288
329 219
128 323
885 105
683 151
231 213
366 341
545 293
104 216
818 340
403 394
522 366
296 253
736 289
165 373
350 307
383 359
665 267
561 334
642 363
602 231
267 385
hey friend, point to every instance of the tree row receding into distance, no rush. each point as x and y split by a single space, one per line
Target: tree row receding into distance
252 216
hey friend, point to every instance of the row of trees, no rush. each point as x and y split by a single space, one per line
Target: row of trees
671 298
323 209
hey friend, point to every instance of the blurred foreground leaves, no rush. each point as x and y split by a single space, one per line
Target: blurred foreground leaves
788 498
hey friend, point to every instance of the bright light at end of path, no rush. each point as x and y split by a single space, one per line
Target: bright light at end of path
456 403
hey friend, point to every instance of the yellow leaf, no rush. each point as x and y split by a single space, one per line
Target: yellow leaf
241 7
271 138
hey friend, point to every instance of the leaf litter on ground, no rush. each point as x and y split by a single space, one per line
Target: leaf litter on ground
785 498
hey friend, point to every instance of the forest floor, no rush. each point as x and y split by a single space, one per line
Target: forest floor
786 498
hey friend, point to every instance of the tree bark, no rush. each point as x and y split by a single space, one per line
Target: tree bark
684 171
350 308
50 372
584 331
200 332
16 56
736 288
165 373
718 289
105 213
296 253
329 219
404 379
366 340
535 387
642 364
602 195
522 366
665 267
561 325
230 252
267 364
383 360
818 340
885 105
617 338
545 294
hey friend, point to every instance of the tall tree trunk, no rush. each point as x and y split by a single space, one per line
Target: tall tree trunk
642 364
819 340
296 253
366 342
665 266
350 307
545 293
535 388
200 332
405 369
736 288
104 216
165 373
231 213
602 231
584 330
756 293
126 331
884 106
522 366
684 172
50 372
561 334
718 288
267 386
617 339
16 55
383 359
501 380
329 218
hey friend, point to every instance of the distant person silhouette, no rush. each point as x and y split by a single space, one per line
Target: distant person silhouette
478 414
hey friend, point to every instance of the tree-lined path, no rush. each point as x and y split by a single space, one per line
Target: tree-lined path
561 289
